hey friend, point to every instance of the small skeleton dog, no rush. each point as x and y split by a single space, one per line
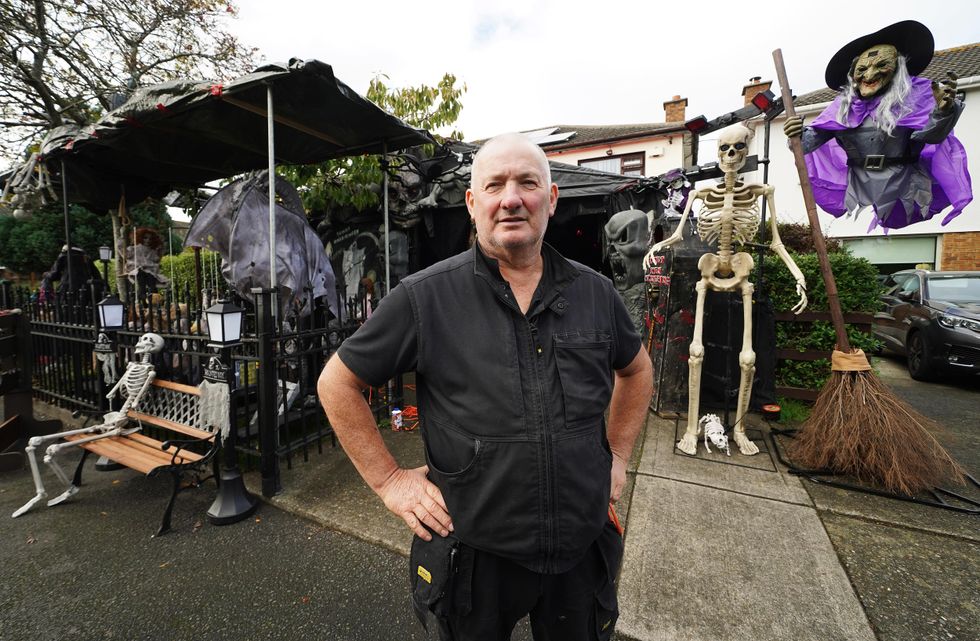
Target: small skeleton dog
714 431
132 386
729 213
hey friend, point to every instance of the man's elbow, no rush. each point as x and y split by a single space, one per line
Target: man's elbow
336 378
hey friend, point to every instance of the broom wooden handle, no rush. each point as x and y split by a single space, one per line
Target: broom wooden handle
796 145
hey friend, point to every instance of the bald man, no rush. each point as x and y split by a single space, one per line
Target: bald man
518 353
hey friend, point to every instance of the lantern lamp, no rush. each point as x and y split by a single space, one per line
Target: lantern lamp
224 323
110 312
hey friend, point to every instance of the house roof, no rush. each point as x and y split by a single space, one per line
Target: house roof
964 61
584 135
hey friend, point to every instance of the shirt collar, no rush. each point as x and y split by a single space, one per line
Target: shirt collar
557 272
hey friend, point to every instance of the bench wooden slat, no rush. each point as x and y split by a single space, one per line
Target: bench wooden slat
118 450
180 387
136 451
153 447
153 444
193 432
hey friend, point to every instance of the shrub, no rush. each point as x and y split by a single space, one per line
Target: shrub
858 290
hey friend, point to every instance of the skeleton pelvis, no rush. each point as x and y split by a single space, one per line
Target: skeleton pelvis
725 273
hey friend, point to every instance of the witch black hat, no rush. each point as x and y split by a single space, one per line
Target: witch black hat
912 39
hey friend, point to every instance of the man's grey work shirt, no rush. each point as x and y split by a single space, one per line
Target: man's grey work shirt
511 405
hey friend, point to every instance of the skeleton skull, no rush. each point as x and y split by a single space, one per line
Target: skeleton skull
626 235
149 343
874 69
733 147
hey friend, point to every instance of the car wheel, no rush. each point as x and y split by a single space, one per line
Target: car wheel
920 367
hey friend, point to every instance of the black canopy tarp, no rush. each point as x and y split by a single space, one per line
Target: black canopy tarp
185 133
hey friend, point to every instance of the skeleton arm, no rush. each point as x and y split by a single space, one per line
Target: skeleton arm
673 238
777 246
115 388
151 375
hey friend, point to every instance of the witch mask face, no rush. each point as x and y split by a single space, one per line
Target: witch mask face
874 69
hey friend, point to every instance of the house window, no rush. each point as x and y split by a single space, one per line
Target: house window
625 164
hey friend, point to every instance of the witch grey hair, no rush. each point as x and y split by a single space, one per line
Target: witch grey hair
891 108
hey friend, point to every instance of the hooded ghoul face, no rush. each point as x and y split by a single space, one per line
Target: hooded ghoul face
874 69
626 237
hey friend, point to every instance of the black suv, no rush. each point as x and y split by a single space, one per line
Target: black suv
934 319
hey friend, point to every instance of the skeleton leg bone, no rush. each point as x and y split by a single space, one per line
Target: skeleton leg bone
55 449
689 442
30 450
746 362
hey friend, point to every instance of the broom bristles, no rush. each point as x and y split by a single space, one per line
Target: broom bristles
860 428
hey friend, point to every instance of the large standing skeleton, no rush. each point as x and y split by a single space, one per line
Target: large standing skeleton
729 213
132 386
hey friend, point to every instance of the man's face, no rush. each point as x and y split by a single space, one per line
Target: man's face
511 198
874 70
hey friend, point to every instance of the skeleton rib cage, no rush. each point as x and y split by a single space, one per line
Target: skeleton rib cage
725 225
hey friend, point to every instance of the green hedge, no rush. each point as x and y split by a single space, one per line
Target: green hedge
858 291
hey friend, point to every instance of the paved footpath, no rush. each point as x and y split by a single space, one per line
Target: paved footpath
717 548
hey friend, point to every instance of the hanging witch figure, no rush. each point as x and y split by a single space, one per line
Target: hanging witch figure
886 140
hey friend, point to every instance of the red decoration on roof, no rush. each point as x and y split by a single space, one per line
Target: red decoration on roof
162 107
216 90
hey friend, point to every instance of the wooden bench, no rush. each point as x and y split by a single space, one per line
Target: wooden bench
173 407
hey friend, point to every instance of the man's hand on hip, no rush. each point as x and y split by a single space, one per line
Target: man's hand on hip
617 478
417 500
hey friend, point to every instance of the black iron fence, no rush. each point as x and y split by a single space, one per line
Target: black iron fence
276 365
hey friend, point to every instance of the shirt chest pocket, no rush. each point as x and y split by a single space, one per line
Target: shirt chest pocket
584 362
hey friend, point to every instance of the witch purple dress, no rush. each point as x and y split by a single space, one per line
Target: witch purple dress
908 177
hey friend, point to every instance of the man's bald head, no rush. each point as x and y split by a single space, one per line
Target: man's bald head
504 143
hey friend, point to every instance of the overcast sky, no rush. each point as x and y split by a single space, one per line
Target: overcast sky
533 63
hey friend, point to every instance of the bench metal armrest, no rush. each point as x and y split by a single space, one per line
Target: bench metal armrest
182 442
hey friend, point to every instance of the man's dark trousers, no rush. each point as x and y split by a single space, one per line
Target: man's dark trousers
492 594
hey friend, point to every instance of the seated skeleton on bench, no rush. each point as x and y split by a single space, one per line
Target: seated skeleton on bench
133 384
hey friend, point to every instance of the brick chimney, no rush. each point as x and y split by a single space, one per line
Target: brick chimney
756 86
674 109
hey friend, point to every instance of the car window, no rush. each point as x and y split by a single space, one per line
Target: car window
910 285
955 289
893 284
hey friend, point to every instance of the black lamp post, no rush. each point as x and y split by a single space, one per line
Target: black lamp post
110 318
233 502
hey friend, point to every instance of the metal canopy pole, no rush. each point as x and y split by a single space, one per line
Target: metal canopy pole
271 123
384 169
64 202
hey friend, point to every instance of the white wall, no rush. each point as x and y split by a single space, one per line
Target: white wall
661 153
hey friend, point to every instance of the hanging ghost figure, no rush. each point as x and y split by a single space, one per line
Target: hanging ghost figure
886 140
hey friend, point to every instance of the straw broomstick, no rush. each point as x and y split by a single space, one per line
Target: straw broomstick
858 426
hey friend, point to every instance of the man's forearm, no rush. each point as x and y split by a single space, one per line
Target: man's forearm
629 405
351 418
